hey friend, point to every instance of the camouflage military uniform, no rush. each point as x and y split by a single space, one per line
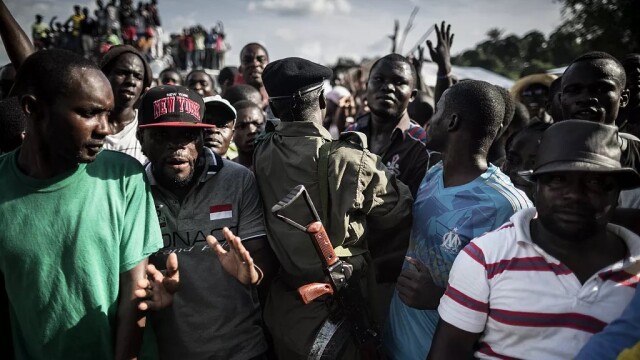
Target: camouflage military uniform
361 190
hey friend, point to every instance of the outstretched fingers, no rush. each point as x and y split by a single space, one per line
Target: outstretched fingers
171 279
430 46
235 245
215 245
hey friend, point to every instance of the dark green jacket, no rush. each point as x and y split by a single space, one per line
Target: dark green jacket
361 190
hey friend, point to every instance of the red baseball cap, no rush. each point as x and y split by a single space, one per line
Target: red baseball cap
171 106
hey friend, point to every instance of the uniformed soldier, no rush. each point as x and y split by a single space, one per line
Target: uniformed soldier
358 188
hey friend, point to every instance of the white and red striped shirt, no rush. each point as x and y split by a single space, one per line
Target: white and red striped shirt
525 302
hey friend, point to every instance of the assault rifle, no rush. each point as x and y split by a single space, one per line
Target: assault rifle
350 320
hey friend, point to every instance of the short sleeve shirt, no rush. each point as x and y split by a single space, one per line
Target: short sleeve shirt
213 313
126 141
63 245
525 302
445 219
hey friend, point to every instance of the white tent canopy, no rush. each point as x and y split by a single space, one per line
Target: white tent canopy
557 71
430 75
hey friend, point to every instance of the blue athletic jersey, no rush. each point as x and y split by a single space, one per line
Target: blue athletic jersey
444 221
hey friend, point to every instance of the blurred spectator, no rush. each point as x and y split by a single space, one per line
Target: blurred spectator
225 79
101 17
128 21
421 108
186 49
198 47
87 32
249 124
170 77
113 21
64 37
158 50
201 82
243 92
210 49
533 92
75 20
522 149
221 46
110 39
40 33
341 110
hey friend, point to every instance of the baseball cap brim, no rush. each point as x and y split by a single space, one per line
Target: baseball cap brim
177 124
220 109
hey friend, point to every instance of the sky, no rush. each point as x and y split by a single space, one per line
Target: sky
323 30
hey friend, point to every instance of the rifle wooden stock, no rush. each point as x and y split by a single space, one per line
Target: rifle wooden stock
322 243
312 291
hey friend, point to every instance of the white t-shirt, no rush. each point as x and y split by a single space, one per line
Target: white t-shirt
126 141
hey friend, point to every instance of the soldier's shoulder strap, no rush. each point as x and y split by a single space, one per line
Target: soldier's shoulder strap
323 175
354 137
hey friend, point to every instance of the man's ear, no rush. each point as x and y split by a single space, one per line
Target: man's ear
624 98
454 122
29 105
414 93
322 100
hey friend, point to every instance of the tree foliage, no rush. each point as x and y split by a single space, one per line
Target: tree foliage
605 25
588 25
509 55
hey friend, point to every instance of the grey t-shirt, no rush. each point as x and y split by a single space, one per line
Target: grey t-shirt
213 316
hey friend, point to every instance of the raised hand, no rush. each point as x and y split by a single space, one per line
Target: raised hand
156 291
441 54
417 61
416 287
237 261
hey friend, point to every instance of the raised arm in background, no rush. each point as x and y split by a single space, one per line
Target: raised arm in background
441 55
15 40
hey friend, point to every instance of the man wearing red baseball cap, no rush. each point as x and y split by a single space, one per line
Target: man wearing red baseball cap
201 197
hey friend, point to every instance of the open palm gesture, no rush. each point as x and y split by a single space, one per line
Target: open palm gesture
236 261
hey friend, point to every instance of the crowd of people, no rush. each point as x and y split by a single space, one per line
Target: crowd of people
118 23
142 216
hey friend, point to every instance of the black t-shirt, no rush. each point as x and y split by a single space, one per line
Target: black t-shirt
407 157
87 26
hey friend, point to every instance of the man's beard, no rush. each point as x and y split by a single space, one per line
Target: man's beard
177 182
174 181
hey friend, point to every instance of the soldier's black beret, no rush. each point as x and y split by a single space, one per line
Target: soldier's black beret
289 76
